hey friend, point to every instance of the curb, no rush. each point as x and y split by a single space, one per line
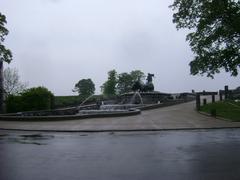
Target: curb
121 130
68 117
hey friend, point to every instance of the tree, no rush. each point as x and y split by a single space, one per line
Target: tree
84 87
5 55
137 75
122 83
109 87
11 82
214 36
126 81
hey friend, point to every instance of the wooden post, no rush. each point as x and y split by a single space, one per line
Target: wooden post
213 98
220 95
204 101
226 92
198 102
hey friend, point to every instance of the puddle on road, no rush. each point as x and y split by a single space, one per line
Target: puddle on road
36 139
2 136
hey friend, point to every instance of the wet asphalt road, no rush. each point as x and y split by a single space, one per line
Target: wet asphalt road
167 155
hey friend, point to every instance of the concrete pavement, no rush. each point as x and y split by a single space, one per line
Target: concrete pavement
182 116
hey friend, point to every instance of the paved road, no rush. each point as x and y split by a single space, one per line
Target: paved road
167 155
182 116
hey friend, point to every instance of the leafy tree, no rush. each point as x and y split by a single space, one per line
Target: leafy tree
84 87
127 80
5 55
215 33
11 82
109 87
125 83
122 83
137 75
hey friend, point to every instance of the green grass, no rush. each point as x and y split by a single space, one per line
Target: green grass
226 109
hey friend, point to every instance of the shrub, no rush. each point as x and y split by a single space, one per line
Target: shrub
14 104
39 98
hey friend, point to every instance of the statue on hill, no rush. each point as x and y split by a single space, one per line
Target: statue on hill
149 78
147 87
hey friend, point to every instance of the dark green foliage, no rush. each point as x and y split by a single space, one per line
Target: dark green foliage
109 87
5 55
215 36
126 81
14 104
37 99
122 83
85 88
32 99
137 75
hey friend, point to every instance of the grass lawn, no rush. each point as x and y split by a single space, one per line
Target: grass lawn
226 109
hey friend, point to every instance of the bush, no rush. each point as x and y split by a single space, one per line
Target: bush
39 98
13 104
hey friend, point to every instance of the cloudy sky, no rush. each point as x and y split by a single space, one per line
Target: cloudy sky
55 43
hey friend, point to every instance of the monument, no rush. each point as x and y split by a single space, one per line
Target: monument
147 87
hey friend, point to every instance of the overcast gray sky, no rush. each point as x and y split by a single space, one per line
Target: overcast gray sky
55 43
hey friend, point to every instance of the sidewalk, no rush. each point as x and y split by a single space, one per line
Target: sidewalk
177 117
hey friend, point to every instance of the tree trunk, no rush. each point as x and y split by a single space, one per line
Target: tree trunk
1 87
